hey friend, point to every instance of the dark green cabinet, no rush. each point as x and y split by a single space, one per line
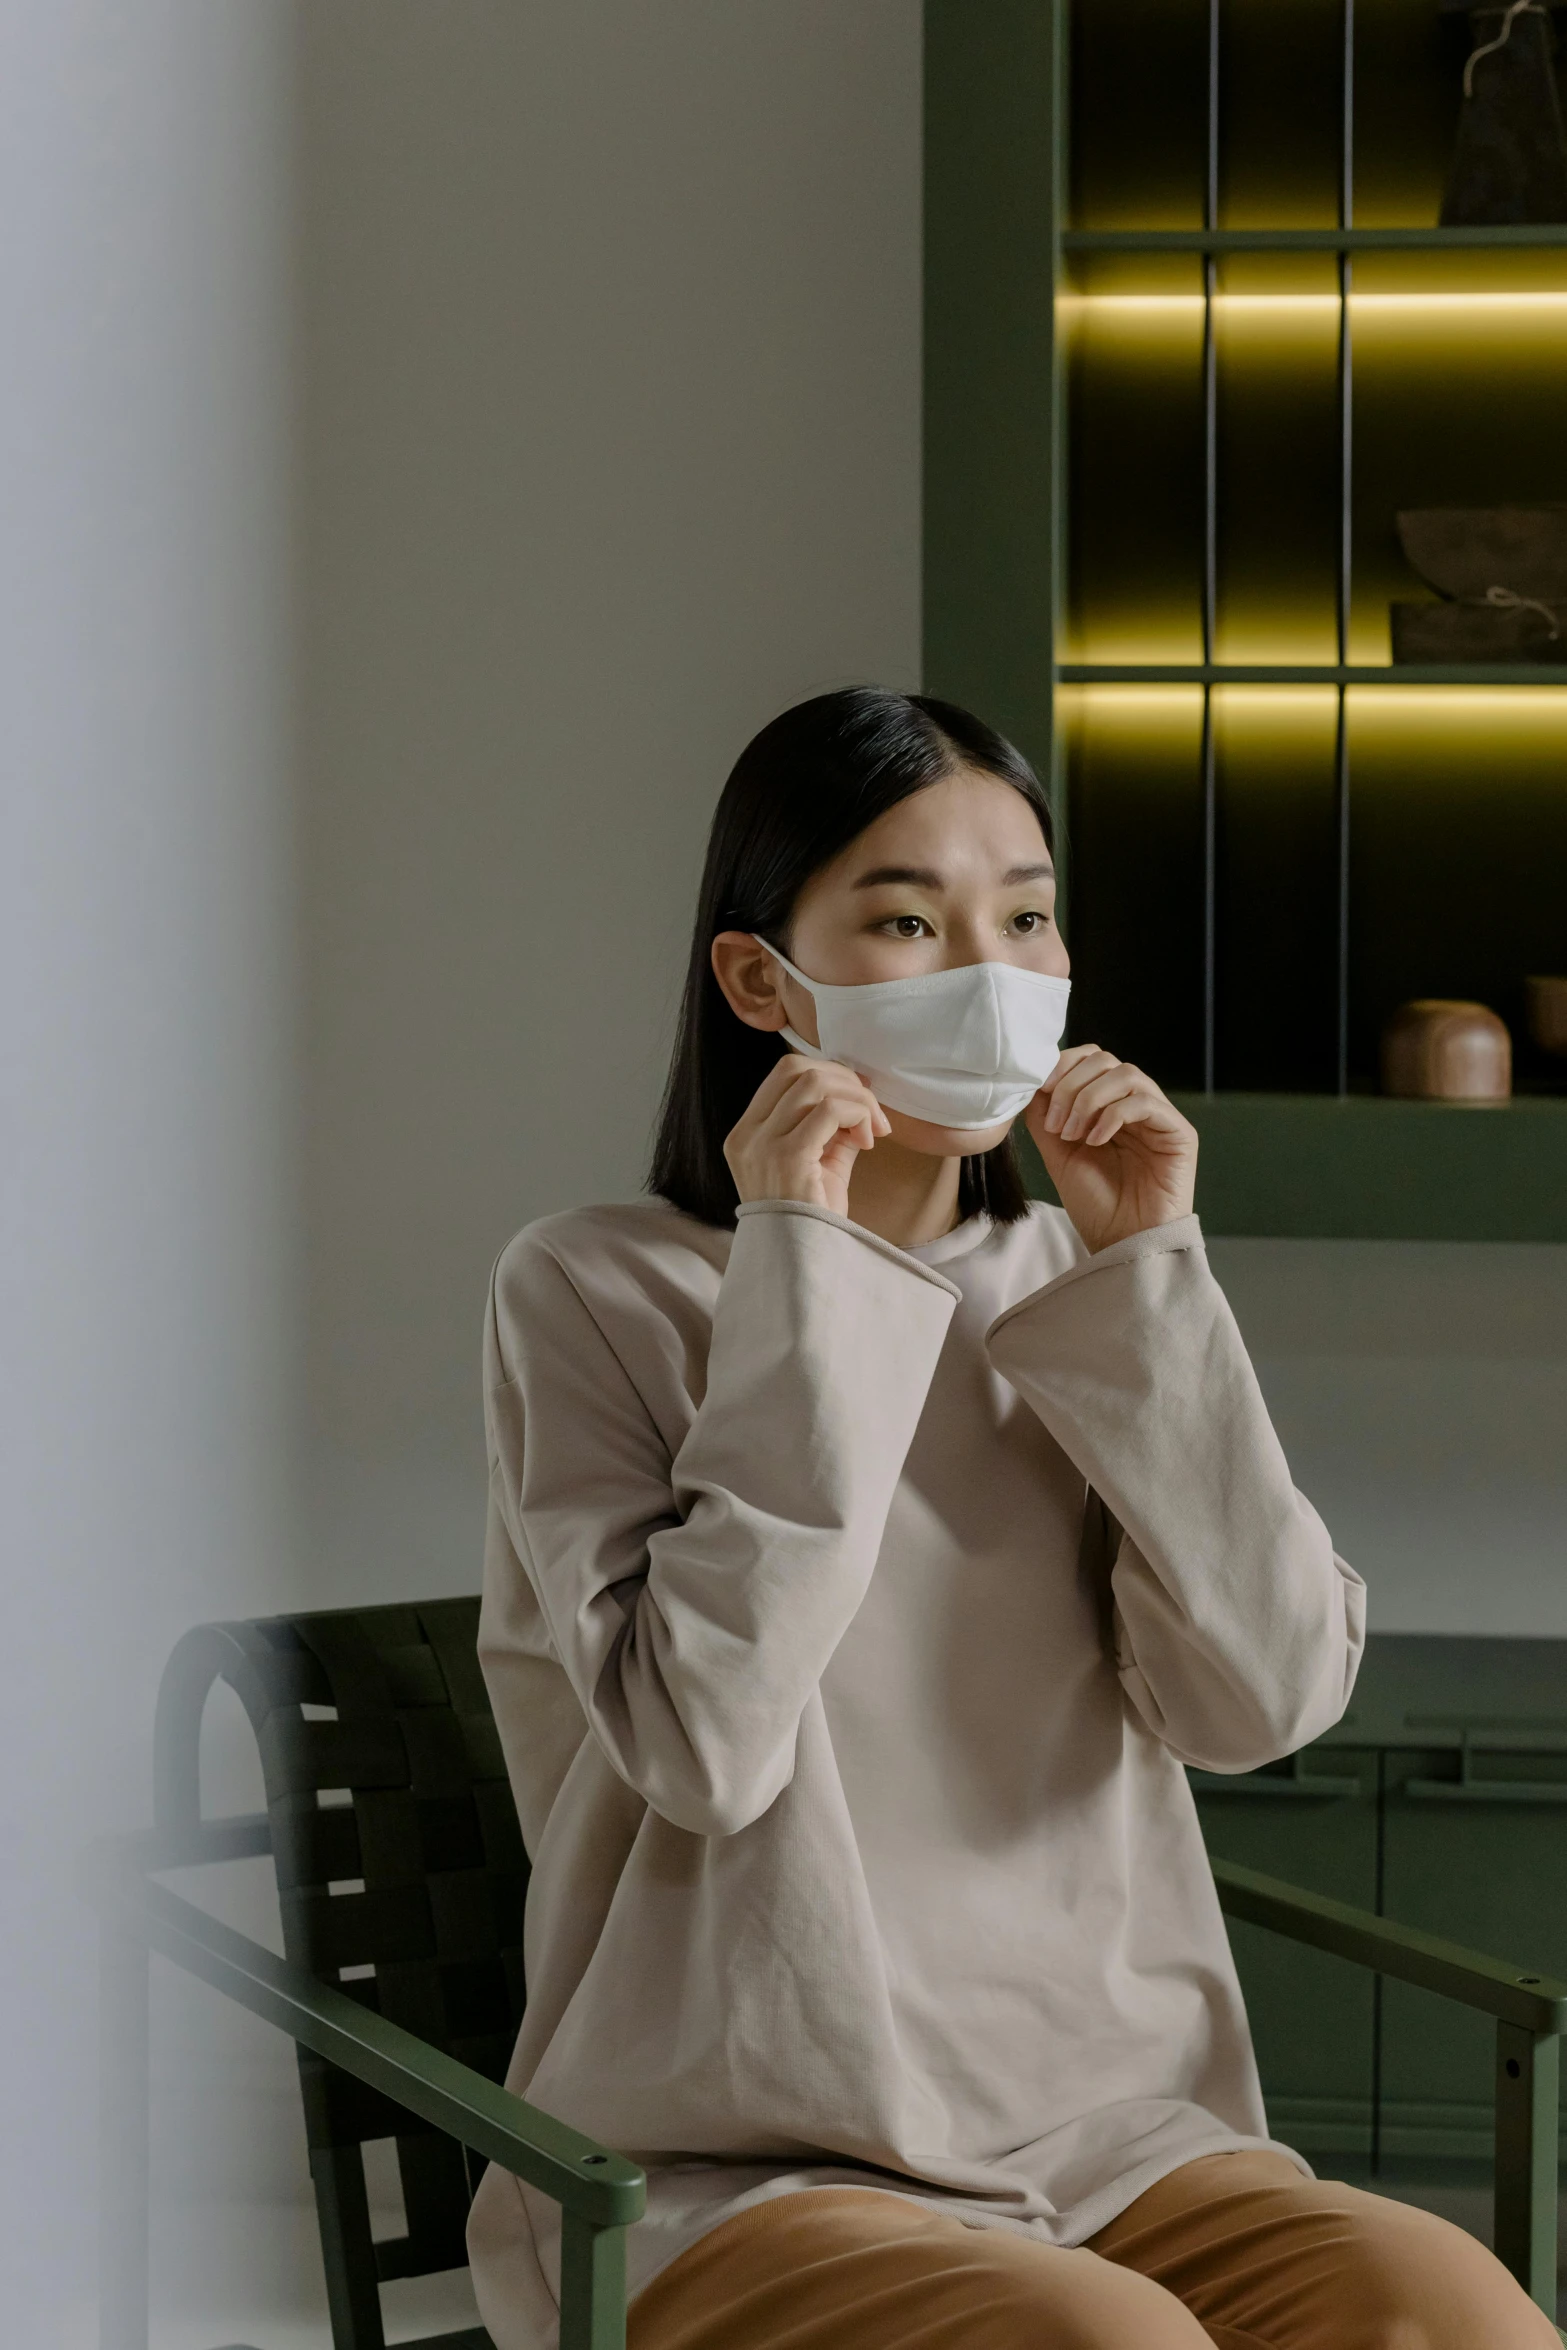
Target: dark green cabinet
1475 1842
1440 1800
1313 1821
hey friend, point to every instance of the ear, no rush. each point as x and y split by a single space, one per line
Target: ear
750 980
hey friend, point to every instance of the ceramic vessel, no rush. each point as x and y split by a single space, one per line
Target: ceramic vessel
1437 1050
1502 574
1510 161
1465 551
1547 1006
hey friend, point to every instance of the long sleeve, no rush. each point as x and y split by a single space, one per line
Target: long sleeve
694 1590
1238 1632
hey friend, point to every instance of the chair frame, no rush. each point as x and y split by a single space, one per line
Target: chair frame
601 2193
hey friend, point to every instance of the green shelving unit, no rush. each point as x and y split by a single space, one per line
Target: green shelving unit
1314 1167
1108 514
1320 1168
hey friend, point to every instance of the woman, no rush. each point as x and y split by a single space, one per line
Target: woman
869 1550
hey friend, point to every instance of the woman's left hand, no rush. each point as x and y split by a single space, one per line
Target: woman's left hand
1121 1156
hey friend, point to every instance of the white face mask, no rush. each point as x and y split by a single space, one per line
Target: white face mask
969 1047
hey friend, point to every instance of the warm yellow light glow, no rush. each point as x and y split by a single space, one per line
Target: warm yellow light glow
1132 629
1191 306
1446 344
1126 305
1527 708
1175 646
1419 736
1276 700
1157 703
1513 702
1554 300
1136 721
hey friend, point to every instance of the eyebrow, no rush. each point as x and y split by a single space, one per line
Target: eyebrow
926 877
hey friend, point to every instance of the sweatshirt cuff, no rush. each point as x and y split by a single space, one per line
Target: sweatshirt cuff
870 1240
1158 1240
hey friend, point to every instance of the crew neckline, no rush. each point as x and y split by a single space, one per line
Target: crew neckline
956 1243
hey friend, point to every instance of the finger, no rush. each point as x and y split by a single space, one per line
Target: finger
1148 1108
1067 1087
1070 1059
1095 1094
827 1122
783 1073
820 1081
848 1084
1134 1109
1120 1084
780 1086
849 1109
848 1099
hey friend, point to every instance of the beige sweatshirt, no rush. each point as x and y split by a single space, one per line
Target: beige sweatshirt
849 1613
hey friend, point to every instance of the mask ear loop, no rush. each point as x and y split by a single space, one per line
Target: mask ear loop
779 956
790 1035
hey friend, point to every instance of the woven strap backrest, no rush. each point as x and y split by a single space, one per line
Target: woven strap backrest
400 1865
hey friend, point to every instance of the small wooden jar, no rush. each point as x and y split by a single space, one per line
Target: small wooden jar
1434 1050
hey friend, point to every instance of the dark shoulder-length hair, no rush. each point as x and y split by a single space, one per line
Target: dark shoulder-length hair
799 793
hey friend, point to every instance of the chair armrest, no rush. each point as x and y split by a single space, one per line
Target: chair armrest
592 2184
1536 2003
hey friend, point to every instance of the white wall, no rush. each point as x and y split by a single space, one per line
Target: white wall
609 372
576 345
1420 1389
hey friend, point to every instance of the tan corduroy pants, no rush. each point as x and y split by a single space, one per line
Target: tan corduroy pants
1236 2250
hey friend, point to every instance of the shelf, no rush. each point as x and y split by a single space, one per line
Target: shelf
1312 1167
1129 451
1538 235
1319 673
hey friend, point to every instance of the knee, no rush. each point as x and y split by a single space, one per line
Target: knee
1021 2295
1416 2282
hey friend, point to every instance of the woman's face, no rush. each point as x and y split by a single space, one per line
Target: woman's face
957 874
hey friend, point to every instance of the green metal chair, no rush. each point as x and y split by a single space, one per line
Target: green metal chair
401 1875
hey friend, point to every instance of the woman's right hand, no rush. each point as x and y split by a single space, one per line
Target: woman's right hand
806 1126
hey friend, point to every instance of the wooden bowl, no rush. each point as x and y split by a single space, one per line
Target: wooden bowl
1434 1050
1547 1002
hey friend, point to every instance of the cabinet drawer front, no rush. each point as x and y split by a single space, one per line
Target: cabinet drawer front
1311 2017
1541 1793
1479 1859
1268 1786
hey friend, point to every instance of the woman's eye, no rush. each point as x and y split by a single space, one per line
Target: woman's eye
906 925
1030 923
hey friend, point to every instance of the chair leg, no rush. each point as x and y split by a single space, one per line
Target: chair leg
1527 2093
592 2286
123 2153
343 2208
